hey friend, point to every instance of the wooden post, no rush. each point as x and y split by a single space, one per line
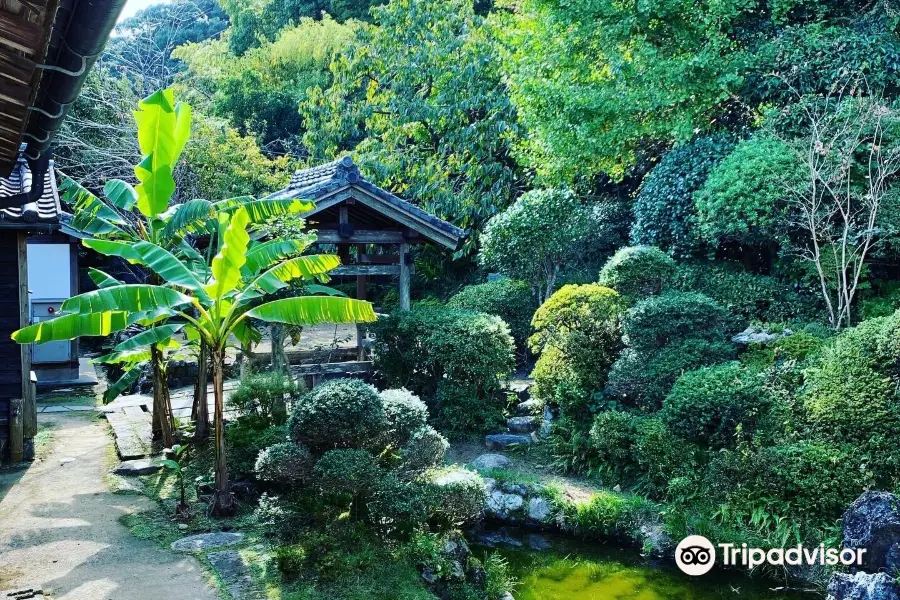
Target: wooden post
16 440
404 277
29 400
361 283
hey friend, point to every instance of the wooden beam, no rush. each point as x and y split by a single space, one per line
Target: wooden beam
16 439
405 278
379 259
361 285
19 34
362 236
29 401
366 270
355 366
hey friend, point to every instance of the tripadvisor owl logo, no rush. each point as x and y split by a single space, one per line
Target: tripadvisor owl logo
695 555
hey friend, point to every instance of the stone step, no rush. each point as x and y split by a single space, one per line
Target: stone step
501 441
523 424
533 407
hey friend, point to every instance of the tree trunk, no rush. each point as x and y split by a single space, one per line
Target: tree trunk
279 358
223 501
162 409
201 404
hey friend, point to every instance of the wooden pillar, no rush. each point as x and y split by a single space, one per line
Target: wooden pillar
361 291
404 277
28 396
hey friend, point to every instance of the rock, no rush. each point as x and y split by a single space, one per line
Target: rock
182 526
429 576
522 424
501 505
862 586
501 441
244 491
205 541
141 466
873 522
533 407
656 540
547 424
457 573
539 509
537 541
758 335
617 489
234 574
66 460
498 538
507 596
121 485
488 462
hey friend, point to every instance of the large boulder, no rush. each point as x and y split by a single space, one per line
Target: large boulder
873 522
490 462
862 586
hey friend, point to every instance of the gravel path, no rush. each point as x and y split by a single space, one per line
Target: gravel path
59 528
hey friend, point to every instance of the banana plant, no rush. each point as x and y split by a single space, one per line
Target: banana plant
216 305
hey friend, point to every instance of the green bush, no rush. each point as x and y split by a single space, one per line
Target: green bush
660 456
285 463
424 450
713 405
347 472
578 334
604 515
642 380
453 359
457 497
405 414
851 394
745 196
747 296
267 396
340 413
675 316
664 211
612 436
246 437
509 299
638 271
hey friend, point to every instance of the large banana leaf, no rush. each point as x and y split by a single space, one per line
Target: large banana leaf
130 298
156 188
312 310
157 259
128 357
120 194
124 383
163 127
226 266
101 279
154 335
91 215
263 256
263 210
68 327
278 277
191 217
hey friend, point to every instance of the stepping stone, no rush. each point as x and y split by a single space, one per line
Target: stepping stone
133 435
488 462
205 541
235 576
140 466
533 407
501 441
522 424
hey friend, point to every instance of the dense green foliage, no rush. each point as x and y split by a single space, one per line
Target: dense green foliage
453 359
509 299
659 321
638 271
267 396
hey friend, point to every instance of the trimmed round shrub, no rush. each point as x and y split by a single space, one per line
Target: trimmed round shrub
675 316
744 198
347 472
405 414
457 497
643 380
578 334
711 405
424 450
664 211
455 360
852 394
340 413
285 463
509 299
612 435
747 296
660 456
265 395
638 272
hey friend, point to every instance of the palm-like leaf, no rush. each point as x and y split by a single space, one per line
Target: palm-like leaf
129 298
192 217
155 258
120 194
91 215
312 310
101 279
277 278
155 335
265 209
265 255
226 266
69 327
123 383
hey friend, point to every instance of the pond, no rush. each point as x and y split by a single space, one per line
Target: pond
581 571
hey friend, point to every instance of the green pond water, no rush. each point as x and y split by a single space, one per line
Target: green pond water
572 571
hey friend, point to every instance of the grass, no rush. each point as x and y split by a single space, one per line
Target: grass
77 397
43 441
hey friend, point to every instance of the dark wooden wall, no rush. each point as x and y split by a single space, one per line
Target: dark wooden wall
10 354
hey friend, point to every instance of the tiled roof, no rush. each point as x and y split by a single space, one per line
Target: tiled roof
45 211
314 182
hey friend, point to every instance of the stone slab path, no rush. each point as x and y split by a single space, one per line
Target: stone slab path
60 533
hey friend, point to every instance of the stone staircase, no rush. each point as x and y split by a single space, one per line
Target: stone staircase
529 424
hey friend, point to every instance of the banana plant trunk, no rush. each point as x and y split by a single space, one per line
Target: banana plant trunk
223 501
162 408
279 358
201 403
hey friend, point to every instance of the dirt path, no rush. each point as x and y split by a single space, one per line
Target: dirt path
59 528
